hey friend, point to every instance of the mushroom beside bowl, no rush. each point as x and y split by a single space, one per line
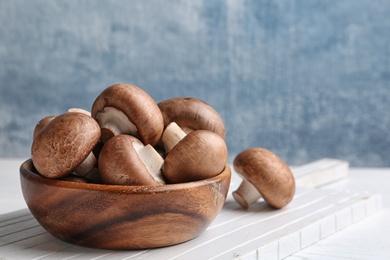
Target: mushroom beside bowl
123 217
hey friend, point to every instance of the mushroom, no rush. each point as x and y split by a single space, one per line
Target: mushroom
41 124
198 155
127 109
125 160
87 167
64 143
264 175
192 114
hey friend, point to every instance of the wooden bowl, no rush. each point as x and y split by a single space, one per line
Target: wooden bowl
123 217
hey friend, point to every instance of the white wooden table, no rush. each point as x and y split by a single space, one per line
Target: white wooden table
354 224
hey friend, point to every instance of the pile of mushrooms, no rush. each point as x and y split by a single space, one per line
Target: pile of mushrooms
129 139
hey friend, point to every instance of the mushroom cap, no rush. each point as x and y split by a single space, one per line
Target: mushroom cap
268 173
139 107
201 154
192 113
64 143
41 124
120 164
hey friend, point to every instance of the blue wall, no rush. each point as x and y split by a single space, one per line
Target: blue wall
306 79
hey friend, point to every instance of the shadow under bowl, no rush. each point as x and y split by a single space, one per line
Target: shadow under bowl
123 217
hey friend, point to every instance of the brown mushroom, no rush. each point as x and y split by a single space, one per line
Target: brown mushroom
41 124
198 155
86 168
192 114
125 160
264 175
127 109
64 143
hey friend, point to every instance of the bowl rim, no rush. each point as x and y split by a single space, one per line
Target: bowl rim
26 172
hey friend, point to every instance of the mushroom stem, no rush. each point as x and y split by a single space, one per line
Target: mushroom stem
246 194
114 122
87 165
173 133
152 160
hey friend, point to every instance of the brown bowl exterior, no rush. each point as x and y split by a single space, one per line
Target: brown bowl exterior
123 217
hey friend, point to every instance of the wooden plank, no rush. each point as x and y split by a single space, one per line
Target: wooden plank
320 173
369 239
286 234
14 216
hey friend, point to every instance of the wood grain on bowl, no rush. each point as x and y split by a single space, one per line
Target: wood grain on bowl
123 217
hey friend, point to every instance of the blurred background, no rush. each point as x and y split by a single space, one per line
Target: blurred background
305 79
